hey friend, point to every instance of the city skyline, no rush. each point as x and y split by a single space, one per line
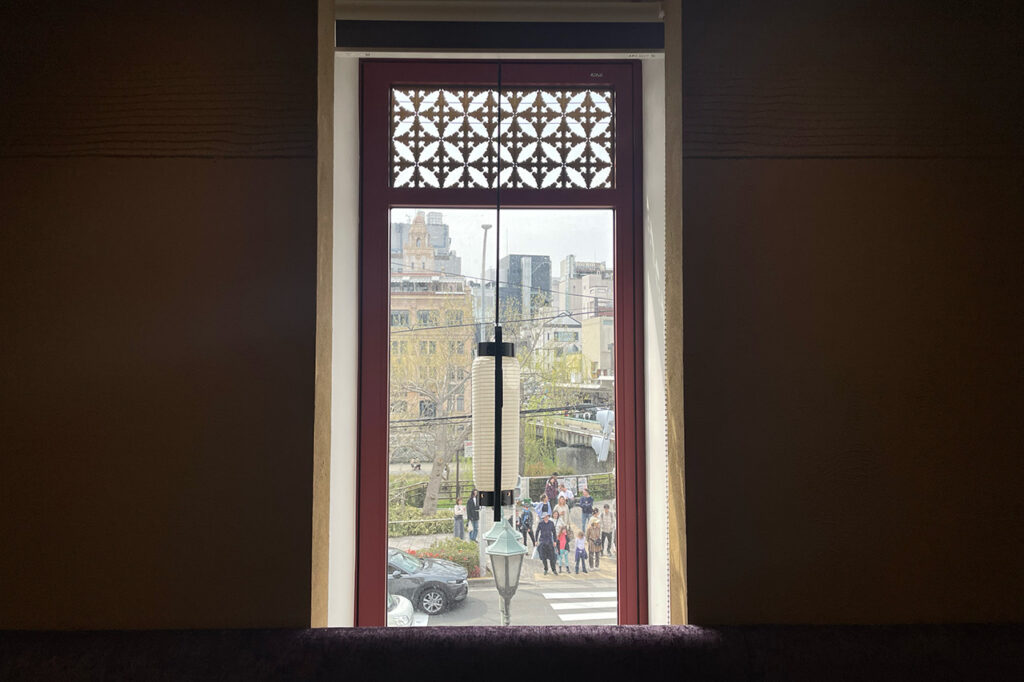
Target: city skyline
586 234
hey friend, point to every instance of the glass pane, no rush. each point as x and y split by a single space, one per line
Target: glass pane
553 280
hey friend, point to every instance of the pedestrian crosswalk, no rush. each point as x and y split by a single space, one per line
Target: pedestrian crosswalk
590 607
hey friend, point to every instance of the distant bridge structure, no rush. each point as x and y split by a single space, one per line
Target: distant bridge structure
568 431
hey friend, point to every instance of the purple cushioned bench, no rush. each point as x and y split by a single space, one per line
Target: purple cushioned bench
642 653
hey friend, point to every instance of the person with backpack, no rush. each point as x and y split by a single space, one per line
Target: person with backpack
526 522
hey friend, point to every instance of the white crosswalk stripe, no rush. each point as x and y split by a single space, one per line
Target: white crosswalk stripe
575 605
578 595
589 615
584 606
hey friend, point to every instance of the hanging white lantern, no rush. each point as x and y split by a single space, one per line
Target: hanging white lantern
483 422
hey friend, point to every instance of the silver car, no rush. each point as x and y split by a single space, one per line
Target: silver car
399 611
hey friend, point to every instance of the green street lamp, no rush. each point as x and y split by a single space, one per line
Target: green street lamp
494 533
506 564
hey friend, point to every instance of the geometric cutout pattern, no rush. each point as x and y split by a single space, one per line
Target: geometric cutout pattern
549 138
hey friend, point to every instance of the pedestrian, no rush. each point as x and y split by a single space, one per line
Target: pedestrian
586 503
560 522
526 522
562 509
563 550
594 542
546 543
473 514
615 532
607 528
565 491
581 552
459 514
543 507
551 488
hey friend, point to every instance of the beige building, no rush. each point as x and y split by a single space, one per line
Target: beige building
583 287
432 334
598 336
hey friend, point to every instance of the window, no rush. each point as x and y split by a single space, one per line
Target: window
565 141
399 318
458 404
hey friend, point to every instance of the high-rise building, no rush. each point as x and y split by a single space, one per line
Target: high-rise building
584 287
525 283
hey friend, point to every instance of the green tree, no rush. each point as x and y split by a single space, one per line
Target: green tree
551 378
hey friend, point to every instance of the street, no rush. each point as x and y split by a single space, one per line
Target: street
562 599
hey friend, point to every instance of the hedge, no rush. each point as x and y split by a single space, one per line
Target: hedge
462 552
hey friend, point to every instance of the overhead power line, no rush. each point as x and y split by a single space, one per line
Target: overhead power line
511 284
513 320
406 423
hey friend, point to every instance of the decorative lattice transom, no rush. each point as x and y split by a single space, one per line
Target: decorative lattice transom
557 138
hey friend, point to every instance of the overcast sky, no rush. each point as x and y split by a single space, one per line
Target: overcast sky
584 233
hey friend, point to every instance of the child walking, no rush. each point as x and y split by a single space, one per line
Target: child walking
563 550
581 553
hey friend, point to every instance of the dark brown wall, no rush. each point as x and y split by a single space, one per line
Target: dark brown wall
854 311
157 279
853 207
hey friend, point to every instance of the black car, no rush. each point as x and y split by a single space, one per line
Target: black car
432 585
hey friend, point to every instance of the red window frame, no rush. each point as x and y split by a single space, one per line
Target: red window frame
377 197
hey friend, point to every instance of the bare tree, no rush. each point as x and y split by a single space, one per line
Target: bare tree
430 371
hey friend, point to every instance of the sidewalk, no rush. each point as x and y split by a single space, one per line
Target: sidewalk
410 542
533 572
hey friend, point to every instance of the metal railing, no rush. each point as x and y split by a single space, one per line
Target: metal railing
533 487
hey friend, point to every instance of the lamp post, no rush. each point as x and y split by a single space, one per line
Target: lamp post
506 554
496 393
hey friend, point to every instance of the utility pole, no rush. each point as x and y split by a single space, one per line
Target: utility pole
483 287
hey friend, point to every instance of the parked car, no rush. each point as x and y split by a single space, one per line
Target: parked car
399 611
432 585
